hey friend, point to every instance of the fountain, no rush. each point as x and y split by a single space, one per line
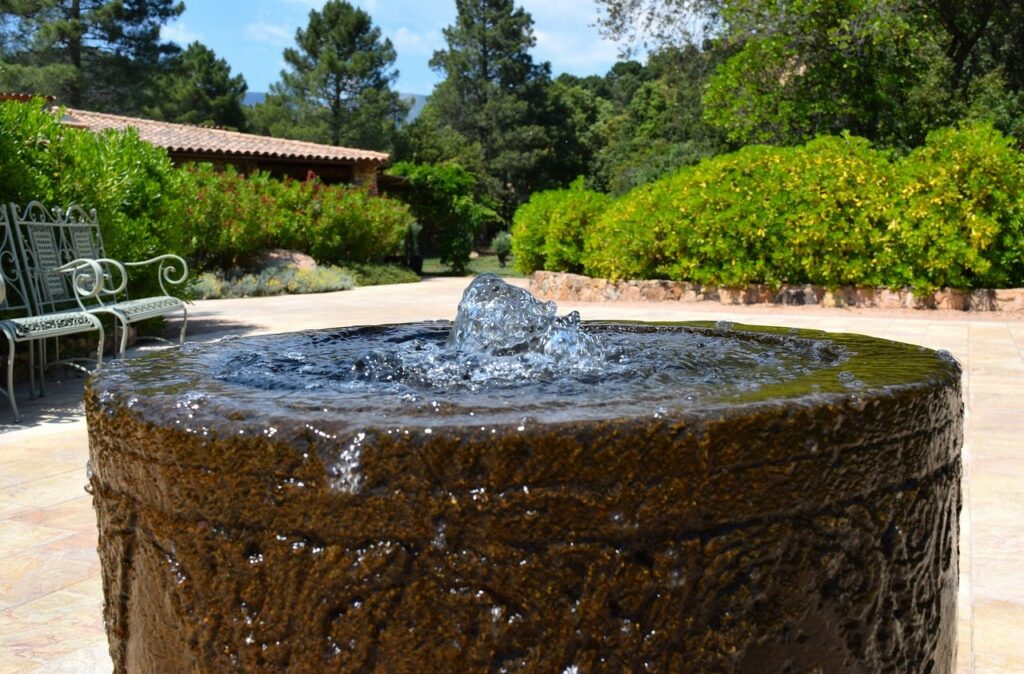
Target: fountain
522 492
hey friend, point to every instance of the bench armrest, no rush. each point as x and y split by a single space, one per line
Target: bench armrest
87 277
171 269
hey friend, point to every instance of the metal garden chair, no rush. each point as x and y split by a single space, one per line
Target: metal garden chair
58 245
24 316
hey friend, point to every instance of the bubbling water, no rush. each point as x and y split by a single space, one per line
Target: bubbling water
507 357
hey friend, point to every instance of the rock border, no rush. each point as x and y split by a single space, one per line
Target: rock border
578 288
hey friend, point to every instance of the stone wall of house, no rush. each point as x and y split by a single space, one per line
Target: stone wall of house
573 287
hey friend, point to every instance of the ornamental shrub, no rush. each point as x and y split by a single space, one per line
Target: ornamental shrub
831 212
131 184
443 199
957 216
231 217
548 231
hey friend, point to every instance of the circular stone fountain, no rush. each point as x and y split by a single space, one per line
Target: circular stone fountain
522 493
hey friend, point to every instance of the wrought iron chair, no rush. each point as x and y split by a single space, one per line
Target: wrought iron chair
61 242
26 317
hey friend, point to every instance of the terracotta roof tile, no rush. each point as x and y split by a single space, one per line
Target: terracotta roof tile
187 138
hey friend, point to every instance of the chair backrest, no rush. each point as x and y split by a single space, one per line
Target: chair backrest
48 239
14 299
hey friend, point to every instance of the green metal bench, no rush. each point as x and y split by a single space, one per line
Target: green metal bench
25 316
59 245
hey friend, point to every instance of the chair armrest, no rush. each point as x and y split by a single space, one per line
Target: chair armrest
172 269
88 278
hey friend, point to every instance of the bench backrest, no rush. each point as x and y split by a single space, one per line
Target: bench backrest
14 302
48 239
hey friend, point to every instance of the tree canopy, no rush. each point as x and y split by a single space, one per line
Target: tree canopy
198 88
337 85
889 70
98 54
495 97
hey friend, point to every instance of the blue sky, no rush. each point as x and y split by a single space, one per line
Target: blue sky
251 34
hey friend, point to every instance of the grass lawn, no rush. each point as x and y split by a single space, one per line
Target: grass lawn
485 263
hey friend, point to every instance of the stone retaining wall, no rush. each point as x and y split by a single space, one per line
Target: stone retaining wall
573 287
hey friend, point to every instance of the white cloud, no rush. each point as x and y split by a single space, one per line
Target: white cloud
409 41
270 33
574 51
179 33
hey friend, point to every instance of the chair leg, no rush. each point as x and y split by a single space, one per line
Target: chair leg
42 368
184 324
124 337
10 375
99 348
32 390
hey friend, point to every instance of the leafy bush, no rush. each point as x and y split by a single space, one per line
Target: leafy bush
351 225
441 197
381 274
272 281
501 244
831 212
548 231
230 218
131 184
957 215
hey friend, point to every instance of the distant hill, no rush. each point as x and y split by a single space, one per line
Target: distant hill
417 102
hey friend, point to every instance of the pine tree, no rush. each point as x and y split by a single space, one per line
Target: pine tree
495 96
337 87
197 88
98 54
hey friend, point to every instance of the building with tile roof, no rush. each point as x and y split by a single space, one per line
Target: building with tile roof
248 152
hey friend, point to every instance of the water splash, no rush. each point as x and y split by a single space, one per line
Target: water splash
498 319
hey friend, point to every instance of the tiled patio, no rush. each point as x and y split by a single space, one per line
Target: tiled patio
50 594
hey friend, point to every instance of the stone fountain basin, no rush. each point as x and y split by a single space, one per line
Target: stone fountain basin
806 527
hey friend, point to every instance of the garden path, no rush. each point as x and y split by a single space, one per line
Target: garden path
50 593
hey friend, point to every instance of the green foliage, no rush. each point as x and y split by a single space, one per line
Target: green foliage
336 88
501 244
351 225
442 199
495 97
549 230
97 54
130 183
381 274
957 215
272 281
197 88
831 212
229 218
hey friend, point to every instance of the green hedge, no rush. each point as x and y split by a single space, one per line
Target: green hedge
832 212
230 217
548 231
131 184
214 219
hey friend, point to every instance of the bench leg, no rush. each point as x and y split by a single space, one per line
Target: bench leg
184 324
10 375
124 337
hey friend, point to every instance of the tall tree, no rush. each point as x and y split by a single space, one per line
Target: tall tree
495 96
886 69
337 87
197 88
92 53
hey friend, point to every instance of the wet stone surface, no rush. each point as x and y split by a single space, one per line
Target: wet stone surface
680 498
